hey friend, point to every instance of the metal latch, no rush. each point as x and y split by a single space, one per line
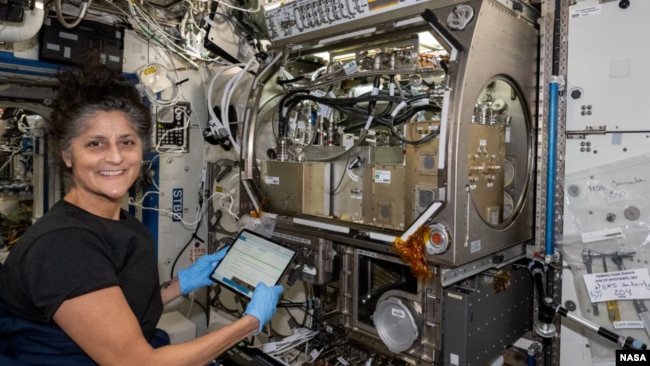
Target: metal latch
589 130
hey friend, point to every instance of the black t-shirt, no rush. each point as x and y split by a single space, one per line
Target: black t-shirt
70 252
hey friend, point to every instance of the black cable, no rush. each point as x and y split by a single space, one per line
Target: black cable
253 32
385 121
282 123
346 106
315 318
289 81
333 192
408 116
375 86
171 275
409 113
205 311
421 141
295 321
193 237
366 97
215 302
332 102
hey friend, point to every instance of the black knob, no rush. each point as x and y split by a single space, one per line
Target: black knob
624 4
576 94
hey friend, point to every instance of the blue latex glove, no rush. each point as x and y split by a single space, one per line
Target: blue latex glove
263 303
198 274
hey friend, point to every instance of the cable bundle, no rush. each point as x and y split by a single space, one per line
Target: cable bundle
299 337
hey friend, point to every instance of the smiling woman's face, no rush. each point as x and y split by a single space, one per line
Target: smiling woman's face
105 159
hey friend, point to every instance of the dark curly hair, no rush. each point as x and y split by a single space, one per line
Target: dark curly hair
87 90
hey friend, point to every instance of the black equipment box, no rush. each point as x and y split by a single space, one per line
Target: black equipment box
68 46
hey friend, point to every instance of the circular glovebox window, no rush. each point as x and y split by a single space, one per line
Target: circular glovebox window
397 324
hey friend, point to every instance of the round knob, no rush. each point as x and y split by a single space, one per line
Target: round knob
438 242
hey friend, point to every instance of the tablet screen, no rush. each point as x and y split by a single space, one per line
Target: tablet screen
251 259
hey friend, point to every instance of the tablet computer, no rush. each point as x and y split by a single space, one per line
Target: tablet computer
251 259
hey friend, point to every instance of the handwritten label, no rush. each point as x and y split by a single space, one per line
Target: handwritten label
616 195
622 285
627 182
596 187
619 190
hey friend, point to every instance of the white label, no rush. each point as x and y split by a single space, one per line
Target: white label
67 35
272 180
351 67
398 313
317 93
494 217
628 324
622 285
348 141
293 238
454 359
366 253
382 176
475 246
53 47
591 236
482 142
590 10
324 110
